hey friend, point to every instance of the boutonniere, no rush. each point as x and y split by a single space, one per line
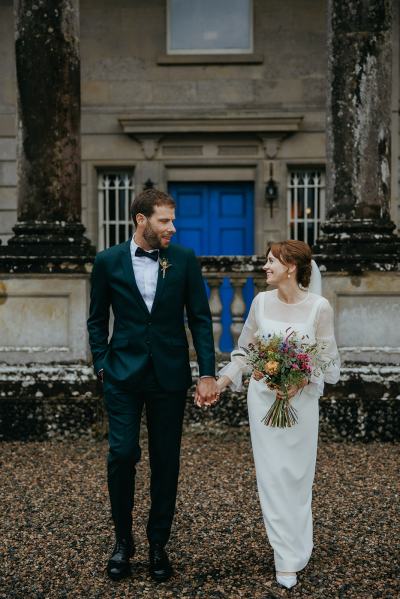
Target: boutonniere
164 265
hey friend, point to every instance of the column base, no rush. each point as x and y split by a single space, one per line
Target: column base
47 247
358 245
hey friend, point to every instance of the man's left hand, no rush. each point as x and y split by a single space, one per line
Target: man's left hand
207 393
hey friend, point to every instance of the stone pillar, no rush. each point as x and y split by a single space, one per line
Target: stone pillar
358 233
47 386
48 235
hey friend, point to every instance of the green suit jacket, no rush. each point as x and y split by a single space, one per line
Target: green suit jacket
139 334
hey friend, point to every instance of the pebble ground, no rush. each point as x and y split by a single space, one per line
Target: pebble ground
56 532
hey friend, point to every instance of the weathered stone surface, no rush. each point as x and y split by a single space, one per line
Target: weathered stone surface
231 264
358 234
44 401
64 401
47 247
358 245
48 236
43 320
359 97
48 78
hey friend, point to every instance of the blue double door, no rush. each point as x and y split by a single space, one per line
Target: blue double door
217 219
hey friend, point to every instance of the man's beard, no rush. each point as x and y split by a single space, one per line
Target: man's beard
151 237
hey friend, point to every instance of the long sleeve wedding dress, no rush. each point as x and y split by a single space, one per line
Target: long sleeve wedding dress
285 457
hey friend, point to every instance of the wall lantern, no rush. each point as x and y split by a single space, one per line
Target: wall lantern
148 184
271 191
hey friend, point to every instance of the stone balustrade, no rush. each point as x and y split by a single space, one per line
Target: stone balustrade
237 269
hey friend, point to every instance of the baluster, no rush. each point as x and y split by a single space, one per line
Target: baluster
238 308
260 284
215 307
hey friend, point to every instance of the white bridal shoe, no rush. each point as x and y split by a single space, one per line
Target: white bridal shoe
286 580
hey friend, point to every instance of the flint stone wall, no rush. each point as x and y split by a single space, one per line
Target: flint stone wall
40 402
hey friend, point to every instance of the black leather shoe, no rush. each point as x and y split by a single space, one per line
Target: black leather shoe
118 566
160 568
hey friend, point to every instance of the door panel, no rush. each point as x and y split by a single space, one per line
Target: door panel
217 219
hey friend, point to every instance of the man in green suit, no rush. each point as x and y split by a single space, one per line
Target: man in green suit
148 283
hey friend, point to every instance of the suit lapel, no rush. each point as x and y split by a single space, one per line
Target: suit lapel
160 280
130 275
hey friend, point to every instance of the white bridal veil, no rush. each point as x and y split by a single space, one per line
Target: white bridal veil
316 279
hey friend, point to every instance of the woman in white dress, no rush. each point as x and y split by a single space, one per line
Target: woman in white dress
285 457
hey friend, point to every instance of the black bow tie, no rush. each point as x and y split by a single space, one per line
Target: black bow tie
142 254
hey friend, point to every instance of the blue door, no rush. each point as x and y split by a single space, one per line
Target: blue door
217 219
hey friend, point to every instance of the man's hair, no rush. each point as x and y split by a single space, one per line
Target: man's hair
145 202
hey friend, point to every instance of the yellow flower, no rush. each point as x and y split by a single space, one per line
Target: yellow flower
271 367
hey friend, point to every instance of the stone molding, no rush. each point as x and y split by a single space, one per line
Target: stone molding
47 247
228 122
203 59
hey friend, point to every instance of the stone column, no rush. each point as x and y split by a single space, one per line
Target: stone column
358 233
48 234
44 268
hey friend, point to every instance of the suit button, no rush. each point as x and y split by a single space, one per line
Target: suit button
147 341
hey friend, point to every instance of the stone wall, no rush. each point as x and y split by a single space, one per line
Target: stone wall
41 402
8 176
124 69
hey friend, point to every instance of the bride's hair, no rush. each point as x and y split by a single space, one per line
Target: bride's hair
295 252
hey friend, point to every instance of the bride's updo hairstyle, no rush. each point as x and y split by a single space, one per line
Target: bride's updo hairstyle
294 252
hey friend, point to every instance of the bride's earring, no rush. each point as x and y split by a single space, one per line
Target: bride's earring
288 276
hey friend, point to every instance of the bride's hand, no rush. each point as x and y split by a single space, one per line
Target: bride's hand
291 391
223 382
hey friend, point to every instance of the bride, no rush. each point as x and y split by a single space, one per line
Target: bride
285 457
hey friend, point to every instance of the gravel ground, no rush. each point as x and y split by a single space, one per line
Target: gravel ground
56 533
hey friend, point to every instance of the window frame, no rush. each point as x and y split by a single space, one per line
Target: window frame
317 222
102 222
207 51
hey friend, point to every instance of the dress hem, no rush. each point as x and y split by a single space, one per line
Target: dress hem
292 567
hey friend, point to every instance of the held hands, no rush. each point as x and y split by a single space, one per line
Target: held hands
208 391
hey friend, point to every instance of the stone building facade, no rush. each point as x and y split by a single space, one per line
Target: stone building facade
264 119
194 117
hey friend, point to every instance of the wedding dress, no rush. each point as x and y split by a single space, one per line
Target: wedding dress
285 457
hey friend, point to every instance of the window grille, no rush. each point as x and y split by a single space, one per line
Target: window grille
209 26
115 193
306 204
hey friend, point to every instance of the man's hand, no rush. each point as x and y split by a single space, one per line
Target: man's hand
206 393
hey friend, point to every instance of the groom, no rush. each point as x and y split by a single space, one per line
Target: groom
148 283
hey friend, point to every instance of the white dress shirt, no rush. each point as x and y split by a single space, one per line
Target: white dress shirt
146 275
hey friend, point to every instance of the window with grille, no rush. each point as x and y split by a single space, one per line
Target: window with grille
210 26
115 193
306 204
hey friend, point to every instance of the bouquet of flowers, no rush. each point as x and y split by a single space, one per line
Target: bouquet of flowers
282 361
